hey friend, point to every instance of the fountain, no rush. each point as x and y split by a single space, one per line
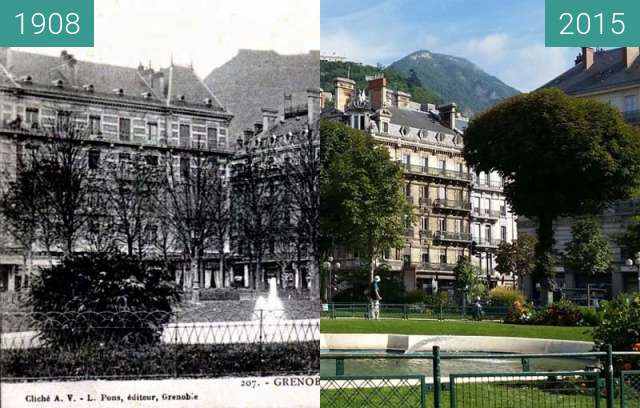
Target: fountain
271 307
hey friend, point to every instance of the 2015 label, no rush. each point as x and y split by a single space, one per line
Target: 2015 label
582 23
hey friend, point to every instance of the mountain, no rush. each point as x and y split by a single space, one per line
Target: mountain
454 79
329 70
256 79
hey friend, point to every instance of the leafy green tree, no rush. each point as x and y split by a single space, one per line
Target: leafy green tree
588 251
559 156
517 257
467 278
629 240
362 206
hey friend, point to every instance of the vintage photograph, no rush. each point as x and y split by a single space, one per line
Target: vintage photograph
480 194
159 208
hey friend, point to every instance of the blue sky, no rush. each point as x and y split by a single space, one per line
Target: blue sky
503 37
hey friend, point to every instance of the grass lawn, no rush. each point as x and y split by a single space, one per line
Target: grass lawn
468 396
455 327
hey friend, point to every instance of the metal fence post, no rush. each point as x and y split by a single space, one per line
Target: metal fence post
339 367
452 390
526 366
596 390
609 376
436 377
423 393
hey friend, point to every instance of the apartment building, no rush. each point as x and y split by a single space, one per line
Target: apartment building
164 114
453 206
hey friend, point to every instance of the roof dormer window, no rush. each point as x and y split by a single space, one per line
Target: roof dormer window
404 130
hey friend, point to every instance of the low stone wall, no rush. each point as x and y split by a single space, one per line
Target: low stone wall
395 342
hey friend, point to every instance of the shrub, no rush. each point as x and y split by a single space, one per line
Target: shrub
519 313
416 296
102 298
219 294
562 313
503 296
164 360
620 323
590 316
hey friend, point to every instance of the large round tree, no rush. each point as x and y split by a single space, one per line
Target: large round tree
559 156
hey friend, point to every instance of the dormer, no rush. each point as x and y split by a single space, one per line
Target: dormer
208 102
89 88
58 83
26 79
147 95
118 91
182 98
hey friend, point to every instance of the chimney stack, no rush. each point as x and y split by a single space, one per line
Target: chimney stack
269 118
629 55
377 91
344 92
448 115
587 57
313 104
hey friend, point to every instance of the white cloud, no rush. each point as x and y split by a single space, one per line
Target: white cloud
492 47
533 66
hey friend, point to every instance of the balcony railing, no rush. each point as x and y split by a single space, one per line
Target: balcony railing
487 185
486 213
452 204
489 243
430 266
409 232
450 236
436 172
425 202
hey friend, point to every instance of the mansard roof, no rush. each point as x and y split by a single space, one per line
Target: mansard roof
417 119
175 85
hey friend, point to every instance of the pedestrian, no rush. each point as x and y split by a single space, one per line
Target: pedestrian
375 298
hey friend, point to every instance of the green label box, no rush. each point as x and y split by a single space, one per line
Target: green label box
593 23
46 23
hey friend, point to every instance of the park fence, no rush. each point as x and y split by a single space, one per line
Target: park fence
596 386
411 311
37 346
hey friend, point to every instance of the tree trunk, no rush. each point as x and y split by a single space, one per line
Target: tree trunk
543 249
219 274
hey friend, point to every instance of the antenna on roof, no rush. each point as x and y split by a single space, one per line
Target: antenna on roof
191 64
171 59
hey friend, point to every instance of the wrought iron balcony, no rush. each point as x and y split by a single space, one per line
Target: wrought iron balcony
487 185
436 172
451 236
486 213
489 243
431 266
425 202
452 204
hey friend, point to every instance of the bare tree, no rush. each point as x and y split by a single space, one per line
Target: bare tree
302 183
193 198
258 208
132 186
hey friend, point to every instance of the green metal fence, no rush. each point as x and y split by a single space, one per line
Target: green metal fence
596 386
408 391
630 389
522 390
410 311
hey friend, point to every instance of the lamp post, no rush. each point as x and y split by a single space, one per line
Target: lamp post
330 266
636 261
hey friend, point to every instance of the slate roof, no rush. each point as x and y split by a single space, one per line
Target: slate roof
255 79
607 71
416 119
105 78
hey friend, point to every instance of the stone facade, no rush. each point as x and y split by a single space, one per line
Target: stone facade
453 206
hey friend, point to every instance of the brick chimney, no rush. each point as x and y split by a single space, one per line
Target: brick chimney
269 118
344 91
313 104
587 57
629 55
448 114
377 91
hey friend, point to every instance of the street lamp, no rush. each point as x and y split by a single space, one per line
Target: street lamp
330 266
636 261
